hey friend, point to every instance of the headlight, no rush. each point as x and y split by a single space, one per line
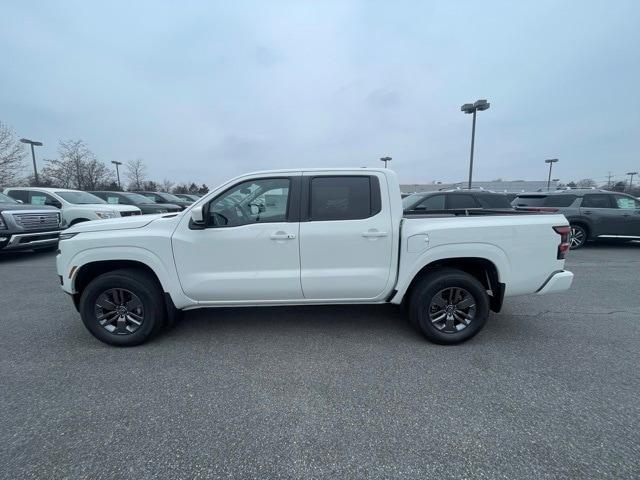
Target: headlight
105 214
66 236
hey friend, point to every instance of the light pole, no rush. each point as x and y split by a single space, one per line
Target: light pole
631 174
550 161
117 164
33 156
480 105
385 160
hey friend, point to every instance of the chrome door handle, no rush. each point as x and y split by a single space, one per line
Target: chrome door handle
282 236
374 234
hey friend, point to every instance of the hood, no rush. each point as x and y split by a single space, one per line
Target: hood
7 207
121 223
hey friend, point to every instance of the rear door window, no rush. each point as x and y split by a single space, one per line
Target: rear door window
461 200
340 198
597 201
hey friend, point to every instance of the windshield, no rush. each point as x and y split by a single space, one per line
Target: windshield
137 198
5 199
412 200
171 198
80 198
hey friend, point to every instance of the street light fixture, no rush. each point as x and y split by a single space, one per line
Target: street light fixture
631 174
33 156
117 164
550 161
385 160
479 105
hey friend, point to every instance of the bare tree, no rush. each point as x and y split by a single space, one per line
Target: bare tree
136 172
167 185
586 183
76 167
11 156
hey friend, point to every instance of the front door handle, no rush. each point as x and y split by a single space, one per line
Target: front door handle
282 236
588 212
374 234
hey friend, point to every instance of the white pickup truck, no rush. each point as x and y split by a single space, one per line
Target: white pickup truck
300 237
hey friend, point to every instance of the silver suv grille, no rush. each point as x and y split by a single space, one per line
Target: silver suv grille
37 221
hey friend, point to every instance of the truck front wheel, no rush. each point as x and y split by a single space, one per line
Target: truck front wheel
123 307
449 306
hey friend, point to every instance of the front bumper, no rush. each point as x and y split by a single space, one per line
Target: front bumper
26 241
557 282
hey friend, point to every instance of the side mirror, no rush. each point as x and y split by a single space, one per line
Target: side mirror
19 201
197 215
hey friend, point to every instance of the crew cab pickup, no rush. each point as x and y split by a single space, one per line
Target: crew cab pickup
25 227
299 237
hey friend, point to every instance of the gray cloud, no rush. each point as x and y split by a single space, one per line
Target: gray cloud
203 91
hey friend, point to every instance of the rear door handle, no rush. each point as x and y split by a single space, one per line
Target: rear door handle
374 234
282 236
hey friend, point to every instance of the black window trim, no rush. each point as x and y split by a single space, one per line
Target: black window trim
291 214
375 196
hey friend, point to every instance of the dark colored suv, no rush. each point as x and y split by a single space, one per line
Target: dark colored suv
143 203
455 200
593 214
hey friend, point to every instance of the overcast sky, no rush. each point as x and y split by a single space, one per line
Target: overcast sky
204 92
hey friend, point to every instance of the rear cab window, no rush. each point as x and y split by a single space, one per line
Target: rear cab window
22 195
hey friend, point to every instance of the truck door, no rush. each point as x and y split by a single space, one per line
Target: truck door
247 250
345 237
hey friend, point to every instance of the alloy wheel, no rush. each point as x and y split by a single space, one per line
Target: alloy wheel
578 237
119 311
452 309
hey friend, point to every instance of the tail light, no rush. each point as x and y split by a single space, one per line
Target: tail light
563 248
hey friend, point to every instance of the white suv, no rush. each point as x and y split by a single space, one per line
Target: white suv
75 206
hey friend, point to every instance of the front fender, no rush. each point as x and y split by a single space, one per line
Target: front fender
165 273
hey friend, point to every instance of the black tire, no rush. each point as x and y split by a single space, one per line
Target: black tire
137 282
578 238
430 290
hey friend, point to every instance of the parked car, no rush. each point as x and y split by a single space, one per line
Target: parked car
293 237
137 200
593 214
188 196
163 197
25 227
455 200
75 206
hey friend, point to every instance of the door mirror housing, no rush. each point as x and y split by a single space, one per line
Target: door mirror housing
197 215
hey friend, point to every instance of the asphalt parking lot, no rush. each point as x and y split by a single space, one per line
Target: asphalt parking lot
549 389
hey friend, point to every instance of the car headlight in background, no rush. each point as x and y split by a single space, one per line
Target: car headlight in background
66 236
105 214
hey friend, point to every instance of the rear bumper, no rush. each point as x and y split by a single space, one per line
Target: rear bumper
25 241
557 282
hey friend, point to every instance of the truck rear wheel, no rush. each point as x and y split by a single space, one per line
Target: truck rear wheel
123 307
449 306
